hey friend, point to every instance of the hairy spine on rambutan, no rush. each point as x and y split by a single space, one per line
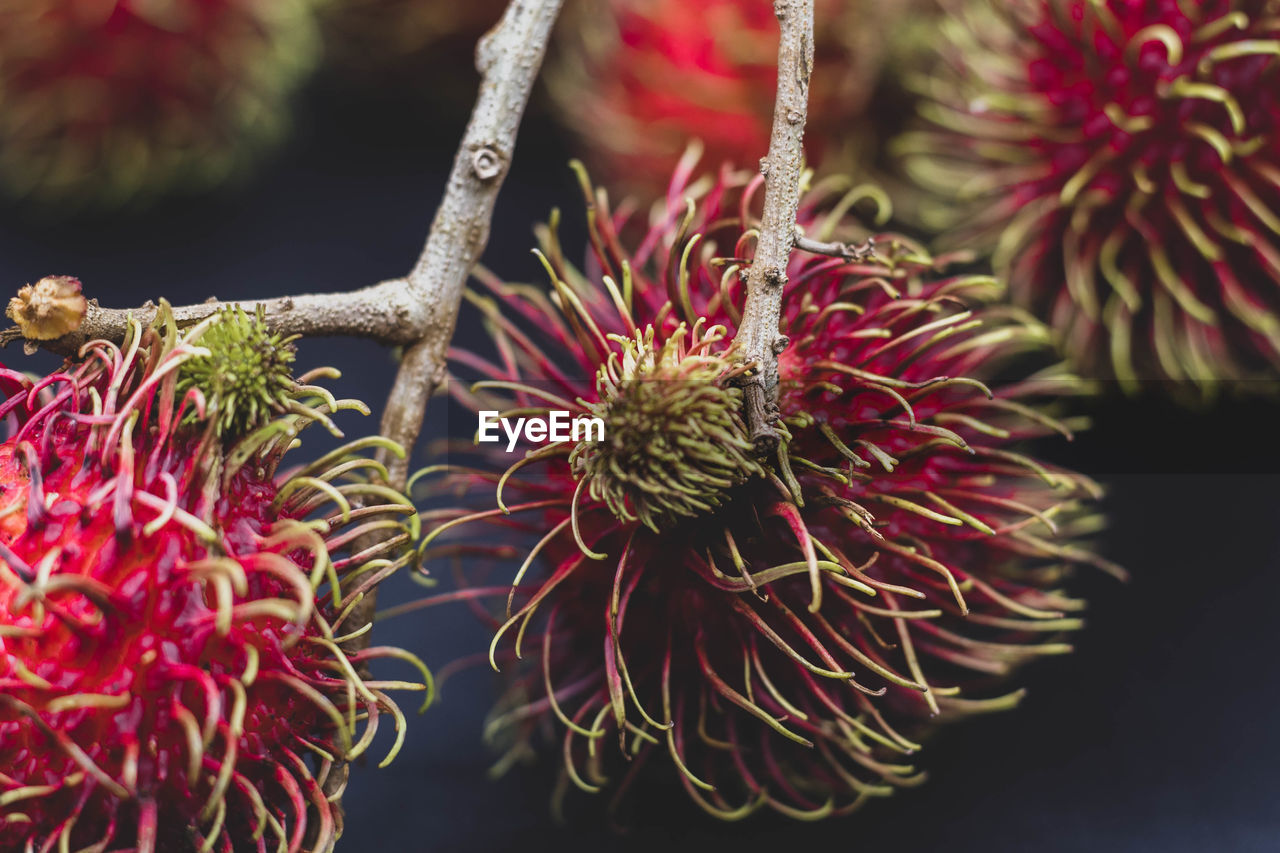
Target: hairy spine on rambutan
245 372
675 441
786 636
1122 161
172 612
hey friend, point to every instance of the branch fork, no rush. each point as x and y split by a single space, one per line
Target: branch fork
418 311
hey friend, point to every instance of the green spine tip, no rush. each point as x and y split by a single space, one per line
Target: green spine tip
247 375
675 440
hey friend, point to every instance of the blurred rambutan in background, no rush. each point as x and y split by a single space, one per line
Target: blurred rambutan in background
1122 160
107 101
775 632
172 611
636 80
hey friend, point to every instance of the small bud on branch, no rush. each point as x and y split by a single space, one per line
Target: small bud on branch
48 309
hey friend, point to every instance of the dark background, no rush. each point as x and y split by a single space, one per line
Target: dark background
1157 734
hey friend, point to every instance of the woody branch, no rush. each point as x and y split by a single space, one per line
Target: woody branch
758 338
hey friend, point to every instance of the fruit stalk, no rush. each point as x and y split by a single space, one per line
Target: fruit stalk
758 337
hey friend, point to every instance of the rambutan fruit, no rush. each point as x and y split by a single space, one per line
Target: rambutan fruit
778 632
104 103
171 611
1122 160
638 79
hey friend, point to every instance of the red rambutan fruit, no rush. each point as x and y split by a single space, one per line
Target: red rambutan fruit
638 79
779 631
1122 158
172 675
107 102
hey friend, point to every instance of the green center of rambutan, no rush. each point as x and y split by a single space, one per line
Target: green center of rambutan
675 442
246 376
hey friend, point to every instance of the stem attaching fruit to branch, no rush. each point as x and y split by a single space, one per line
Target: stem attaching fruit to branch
759 339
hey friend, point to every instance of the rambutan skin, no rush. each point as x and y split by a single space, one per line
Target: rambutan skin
1122 160
108 103
889 568
171 613
638 79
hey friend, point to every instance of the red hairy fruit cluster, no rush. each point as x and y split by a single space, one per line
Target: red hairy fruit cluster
171 611
638 79
1122 159
779 632
108 102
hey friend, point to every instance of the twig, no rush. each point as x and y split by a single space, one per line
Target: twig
759 338
836 249
387 312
